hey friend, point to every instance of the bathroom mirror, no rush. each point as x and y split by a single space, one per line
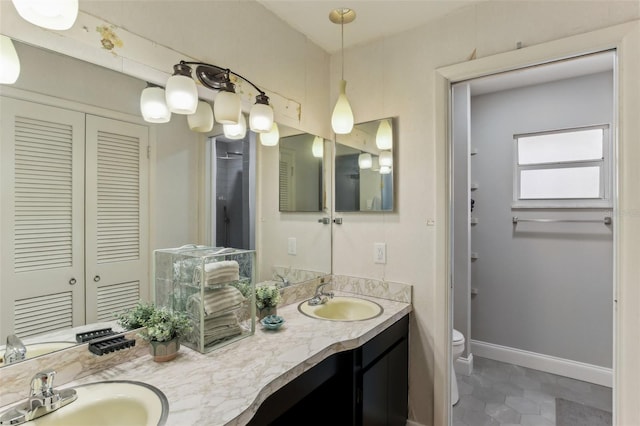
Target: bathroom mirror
301 173
177 175
364 167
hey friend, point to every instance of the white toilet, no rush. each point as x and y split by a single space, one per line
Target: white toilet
456 350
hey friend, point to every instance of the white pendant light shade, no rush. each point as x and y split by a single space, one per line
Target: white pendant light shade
153 105
202 119
365 161
227 108
271 137
342 117
9 62
51 14
261 118
385 170
181 94
236 131
384 136
386 159
317 149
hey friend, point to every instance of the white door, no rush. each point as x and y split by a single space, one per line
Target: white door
117 252
41 218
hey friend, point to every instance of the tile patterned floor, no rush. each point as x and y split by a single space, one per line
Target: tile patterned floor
500 394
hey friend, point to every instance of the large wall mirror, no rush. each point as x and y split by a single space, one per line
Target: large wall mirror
294 246
364 168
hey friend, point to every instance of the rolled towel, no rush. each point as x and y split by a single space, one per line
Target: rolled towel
217 272
216 302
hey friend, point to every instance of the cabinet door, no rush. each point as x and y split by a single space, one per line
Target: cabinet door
117 203
41 218
375 394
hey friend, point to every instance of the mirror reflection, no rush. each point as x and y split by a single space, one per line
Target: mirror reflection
364 164
301 173
174 199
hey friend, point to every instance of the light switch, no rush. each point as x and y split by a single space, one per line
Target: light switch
291 246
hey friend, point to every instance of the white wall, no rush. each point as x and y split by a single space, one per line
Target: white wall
395 77
543 288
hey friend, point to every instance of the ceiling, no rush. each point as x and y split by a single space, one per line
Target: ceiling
374 18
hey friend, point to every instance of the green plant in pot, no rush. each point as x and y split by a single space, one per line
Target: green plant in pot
267 299
162 328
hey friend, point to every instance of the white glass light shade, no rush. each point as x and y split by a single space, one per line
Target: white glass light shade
365 161
181 94
153 105
202 119
385 170
227 108
9 62
317 149
271 137
384 135
236 131
342 117
386 159
261 118
51 14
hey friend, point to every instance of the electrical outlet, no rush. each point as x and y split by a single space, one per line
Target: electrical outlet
380 253
291 246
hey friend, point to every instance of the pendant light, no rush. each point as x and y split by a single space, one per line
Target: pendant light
236 131
384 135
202 120
51 14
153 105
181 92
317 148
227 107
261 115
9 62
342 117
365 161
271 137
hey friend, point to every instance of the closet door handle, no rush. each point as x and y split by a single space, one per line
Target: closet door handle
72 281
96 278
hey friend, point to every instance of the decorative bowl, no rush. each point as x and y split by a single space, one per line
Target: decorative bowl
272 322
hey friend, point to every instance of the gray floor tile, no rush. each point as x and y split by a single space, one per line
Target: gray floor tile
502 413
522 405
479 418
489 395
534 420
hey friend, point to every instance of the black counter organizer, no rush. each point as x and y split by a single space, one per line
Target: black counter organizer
94 334
105 345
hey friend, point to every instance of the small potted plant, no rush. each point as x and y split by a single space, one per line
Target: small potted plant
267 299
163 328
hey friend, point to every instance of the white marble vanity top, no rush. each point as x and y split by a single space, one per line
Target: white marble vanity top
228 385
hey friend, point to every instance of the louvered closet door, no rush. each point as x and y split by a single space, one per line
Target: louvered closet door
41 218
117 250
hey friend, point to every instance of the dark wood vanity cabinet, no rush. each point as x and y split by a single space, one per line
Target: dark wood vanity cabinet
365 386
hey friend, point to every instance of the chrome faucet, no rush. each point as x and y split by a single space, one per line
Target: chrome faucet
15 350
285 282
321 296
43 399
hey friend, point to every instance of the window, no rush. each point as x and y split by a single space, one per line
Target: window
563 168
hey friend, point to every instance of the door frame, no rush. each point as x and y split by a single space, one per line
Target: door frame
625 40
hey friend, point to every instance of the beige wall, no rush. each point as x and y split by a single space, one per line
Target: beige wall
395 77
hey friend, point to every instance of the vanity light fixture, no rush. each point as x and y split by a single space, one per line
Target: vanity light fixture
342 117
317 148
153 105
271 137
384 135
236 131
182 95
51 14
202 119
9 62
386 159
365 161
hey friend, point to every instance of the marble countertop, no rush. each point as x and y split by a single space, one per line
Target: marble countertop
228 385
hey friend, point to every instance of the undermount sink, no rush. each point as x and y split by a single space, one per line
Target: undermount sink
342 308
111 403
37 349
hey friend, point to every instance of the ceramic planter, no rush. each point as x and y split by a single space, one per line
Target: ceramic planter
164 351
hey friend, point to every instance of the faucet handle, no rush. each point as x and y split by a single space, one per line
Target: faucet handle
42 383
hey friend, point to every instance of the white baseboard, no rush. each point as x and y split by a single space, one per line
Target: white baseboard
412 423
464 366
550 364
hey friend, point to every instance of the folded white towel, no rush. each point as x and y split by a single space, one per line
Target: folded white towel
217 273
216 302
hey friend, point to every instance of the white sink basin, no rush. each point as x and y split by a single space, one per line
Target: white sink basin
111 403
342 308
37 349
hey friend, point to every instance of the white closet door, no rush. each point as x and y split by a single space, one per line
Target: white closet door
117 252
41 218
